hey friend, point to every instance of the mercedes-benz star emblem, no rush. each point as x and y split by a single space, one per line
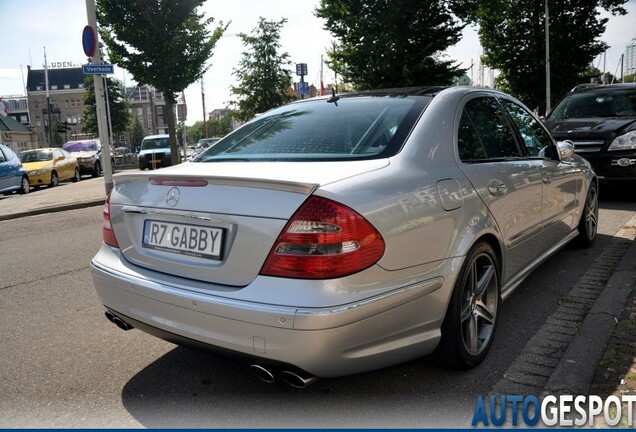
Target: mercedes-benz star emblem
172 197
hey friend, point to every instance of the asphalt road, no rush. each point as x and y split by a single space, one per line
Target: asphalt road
62 364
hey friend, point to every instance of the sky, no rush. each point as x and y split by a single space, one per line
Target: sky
28 27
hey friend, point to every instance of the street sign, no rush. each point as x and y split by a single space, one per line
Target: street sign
89 41
301 69
102 69
303 87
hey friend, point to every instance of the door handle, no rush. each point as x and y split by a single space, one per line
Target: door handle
497 188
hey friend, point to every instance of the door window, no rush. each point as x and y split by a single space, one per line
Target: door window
534 136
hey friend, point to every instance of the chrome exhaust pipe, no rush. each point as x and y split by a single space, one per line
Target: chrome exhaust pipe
297 379
262 373
117 321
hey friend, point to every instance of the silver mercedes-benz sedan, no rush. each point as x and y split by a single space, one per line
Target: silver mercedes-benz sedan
343 234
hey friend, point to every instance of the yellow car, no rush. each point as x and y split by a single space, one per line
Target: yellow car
49 166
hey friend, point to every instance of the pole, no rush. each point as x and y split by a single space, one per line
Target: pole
547 59
48 100
623 70
205 121
100 102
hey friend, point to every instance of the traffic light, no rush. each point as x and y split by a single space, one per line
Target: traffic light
62 127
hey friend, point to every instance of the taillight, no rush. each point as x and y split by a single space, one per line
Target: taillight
107 227
324 240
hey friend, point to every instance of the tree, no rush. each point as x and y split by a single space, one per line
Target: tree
391 43
135 132
512 34
164 43
216 128
630 78
117 106
263 81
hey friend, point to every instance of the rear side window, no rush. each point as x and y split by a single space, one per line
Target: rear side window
349 128
484 132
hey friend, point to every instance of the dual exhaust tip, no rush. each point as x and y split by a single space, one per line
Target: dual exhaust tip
295 379
117 321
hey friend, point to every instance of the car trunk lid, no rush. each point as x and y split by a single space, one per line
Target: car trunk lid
215 222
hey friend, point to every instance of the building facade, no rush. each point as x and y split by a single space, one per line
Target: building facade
15 135
17 107
630 58
149 105
65 103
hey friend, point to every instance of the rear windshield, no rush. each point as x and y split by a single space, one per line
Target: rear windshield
155 143
37 156
80 146
596 104
349 128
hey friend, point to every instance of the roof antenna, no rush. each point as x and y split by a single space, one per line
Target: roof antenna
333 98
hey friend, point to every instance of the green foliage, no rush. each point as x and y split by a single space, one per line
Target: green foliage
118 106
216 128
263 80
630 78
59 138
164 43
135 132
391 43
512 34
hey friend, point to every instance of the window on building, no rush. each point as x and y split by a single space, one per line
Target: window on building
67 86
54 87
81 85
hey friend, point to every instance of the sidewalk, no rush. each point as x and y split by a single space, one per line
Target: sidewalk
67 196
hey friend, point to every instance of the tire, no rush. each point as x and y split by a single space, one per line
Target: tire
588 225
25 188
471 320
76 177
54 180
97 170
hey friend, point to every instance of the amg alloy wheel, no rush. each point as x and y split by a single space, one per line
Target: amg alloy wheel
471 319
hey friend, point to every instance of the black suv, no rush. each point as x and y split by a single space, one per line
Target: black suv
601 122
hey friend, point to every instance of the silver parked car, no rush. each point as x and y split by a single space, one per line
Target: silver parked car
339 235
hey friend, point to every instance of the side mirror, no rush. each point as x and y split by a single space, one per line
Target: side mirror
566 150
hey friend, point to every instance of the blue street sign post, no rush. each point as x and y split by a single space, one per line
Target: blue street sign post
103 69
89 41
303 87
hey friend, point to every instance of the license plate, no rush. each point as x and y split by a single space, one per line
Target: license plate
192 240
155 161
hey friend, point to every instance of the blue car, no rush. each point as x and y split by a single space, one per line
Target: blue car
13 177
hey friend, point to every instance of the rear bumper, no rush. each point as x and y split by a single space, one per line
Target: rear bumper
379 331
